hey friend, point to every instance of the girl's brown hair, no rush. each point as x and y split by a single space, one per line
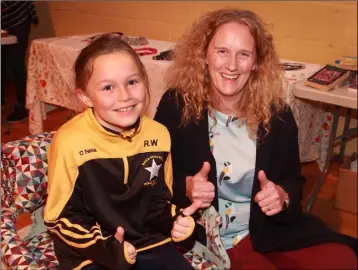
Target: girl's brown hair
105 44
189 74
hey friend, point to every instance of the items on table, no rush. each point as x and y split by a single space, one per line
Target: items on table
292 66
135 40
328 78
353 81
146 51
93 38
131 40
165 55
347 62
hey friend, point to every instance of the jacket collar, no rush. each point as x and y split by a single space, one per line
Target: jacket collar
109 133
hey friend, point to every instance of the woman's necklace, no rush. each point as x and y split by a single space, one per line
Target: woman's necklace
232 117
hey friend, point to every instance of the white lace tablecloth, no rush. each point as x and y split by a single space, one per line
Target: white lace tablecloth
51 80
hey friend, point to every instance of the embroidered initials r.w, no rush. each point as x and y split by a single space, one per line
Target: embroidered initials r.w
148 143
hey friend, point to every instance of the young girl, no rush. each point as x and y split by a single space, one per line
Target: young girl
110 172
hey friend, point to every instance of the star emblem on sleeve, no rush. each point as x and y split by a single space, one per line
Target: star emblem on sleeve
154 169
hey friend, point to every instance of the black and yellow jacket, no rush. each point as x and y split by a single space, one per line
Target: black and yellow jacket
99 180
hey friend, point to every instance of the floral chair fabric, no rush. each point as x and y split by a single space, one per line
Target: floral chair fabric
24 189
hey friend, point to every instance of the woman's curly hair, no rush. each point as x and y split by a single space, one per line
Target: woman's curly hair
189 75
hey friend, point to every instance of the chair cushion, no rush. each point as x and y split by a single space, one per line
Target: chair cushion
7 181
37 253
42 249
24 189
29 158
198 262
38 225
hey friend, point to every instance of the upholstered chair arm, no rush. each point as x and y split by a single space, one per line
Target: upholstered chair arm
13 248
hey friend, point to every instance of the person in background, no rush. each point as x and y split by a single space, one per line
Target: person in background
235 146
110 174
16 19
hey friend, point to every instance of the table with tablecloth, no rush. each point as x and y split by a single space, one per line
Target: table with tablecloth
51 81
50 76
314 119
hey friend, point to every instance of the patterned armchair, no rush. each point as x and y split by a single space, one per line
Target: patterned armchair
24 189
24 184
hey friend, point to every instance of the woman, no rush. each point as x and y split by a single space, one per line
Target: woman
234 145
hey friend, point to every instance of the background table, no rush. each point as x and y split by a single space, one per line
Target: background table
339 97
51 81
50 76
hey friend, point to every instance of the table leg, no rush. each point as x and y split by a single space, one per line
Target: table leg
35 118
345 134
43 110
332 139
